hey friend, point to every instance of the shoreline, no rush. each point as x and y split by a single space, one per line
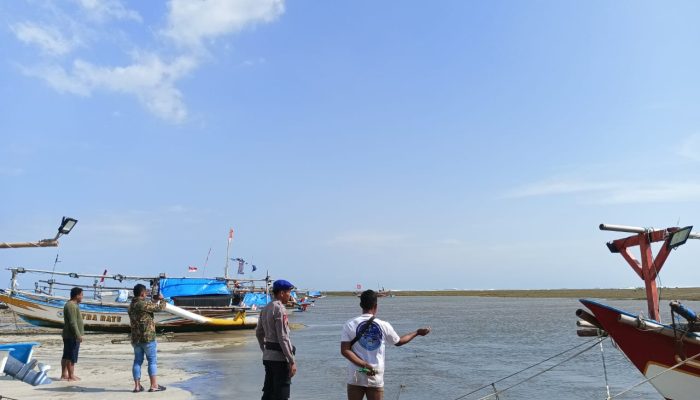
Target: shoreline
665 293
104 366
105 361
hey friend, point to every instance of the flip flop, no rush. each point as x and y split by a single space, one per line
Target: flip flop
140 389
158 389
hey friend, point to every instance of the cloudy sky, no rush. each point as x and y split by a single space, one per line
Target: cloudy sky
403 144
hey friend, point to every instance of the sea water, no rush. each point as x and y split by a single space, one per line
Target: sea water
474 341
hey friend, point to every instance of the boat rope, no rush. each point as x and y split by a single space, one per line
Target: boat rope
605 369
401 388
654 377
493 384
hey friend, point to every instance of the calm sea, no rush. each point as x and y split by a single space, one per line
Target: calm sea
475 341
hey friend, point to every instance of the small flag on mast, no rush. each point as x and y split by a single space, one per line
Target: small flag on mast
103 276
230 235
254 268
359 286
192 269
241 262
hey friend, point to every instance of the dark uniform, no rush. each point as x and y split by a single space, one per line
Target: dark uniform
272 333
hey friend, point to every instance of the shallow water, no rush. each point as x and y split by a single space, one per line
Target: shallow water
475 341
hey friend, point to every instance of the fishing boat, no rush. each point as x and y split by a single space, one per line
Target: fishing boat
316 294
667 354
194 304
16 361
380 292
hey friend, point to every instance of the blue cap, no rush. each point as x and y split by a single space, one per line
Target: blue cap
281 284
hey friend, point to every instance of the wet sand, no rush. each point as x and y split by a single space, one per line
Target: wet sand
105 361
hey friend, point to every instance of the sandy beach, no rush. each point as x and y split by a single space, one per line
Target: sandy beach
104 364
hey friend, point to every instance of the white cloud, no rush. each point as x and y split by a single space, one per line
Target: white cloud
176 209
191 22
101 10
49 39
560 187
149 78
690 148
611 192
9 171
363 239
59 79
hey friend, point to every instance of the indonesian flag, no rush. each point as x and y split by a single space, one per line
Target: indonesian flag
230 235
359 286
192 269
103 276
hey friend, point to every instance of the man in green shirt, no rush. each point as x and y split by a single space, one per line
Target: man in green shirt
73 332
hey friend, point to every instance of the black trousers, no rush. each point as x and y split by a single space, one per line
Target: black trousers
277 380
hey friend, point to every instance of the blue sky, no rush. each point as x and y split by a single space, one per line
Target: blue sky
402 144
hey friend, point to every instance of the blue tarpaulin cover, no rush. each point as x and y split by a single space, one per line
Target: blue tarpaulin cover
174 287
314 292
256 299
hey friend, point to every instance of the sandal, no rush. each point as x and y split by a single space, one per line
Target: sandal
140 389
158 389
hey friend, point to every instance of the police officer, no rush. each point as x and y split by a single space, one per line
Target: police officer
273 336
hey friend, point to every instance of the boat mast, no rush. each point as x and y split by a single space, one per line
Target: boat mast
228 247
648 269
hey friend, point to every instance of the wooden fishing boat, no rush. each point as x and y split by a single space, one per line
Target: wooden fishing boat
668 355
47 311
188 313
16 361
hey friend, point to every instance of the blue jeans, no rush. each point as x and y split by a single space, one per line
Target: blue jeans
149 350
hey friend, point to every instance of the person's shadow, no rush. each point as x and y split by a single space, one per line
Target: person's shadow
81 389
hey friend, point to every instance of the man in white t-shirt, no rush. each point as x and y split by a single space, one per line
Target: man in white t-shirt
362 343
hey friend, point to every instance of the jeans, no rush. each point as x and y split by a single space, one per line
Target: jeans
149 350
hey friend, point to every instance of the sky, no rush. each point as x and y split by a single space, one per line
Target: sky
398 144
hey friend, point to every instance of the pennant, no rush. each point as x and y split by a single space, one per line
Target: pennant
254 268
103 276
191 269
241 262
230 235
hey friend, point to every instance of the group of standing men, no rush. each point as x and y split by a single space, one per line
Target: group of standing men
362 343
143 335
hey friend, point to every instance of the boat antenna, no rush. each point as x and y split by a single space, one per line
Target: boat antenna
206 260
228 247
56 261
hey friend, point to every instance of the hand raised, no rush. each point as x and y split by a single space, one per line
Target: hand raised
423 331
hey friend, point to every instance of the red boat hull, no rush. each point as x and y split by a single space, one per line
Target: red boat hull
653 350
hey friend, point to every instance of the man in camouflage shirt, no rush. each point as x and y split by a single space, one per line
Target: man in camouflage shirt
143 336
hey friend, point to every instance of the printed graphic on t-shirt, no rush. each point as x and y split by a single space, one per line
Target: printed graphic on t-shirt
372 338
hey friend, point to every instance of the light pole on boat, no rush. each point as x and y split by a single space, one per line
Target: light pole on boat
649 266
66 226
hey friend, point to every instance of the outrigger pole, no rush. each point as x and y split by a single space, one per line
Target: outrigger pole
66 225
648 269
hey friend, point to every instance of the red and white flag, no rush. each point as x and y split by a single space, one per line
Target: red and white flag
230 235
359 286
192 269
103 276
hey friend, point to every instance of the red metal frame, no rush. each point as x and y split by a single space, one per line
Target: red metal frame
649 267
